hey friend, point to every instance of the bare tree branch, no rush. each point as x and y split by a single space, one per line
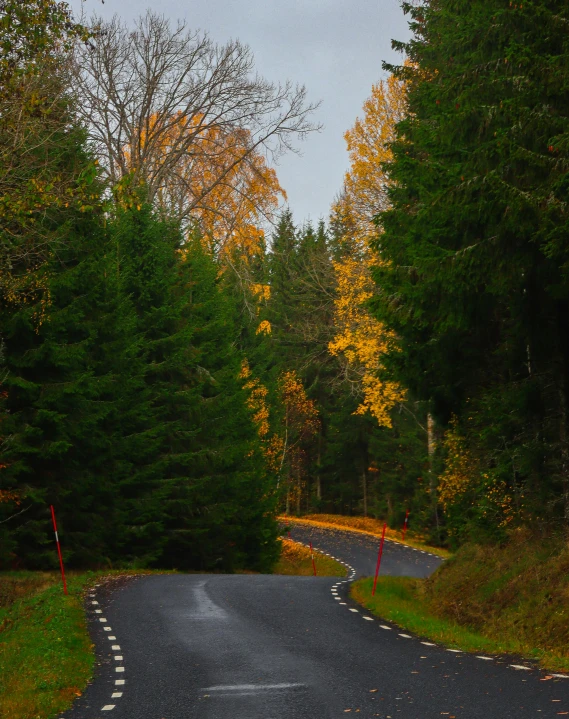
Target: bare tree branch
161 102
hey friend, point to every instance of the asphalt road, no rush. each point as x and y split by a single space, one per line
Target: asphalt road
360 551
271 647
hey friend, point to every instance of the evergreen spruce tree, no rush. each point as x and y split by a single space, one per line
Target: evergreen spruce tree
58 401
472 280
205 471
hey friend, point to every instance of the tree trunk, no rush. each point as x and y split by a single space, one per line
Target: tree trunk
431 445
364 487
318 482
564 448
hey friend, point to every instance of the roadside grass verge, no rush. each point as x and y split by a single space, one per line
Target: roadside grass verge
402 600
363 525
295 560
46 655
510 599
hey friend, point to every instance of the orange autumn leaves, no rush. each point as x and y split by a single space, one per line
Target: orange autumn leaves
222 183
360 339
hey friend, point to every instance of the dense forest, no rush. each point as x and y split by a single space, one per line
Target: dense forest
181 361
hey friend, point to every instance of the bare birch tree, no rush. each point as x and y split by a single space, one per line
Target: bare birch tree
170 108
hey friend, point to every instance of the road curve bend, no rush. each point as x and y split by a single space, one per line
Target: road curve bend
274 647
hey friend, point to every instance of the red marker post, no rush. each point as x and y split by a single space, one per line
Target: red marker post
58 550
380 552
405 524
313 562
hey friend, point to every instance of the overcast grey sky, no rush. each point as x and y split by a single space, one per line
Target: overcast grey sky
334 47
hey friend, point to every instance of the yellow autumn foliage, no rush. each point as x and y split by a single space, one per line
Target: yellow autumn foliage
264 328
457 477
360 338
257 400
368 147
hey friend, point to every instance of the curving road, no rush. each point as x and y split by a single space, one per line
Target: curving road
360 551
272 647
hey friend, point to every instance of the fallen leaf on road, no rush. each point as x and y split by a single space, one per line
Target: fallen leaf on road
373 690
544 679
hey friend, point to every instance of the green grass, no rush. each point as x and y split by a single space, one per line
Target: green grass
295 560
402 600
46 656
489 599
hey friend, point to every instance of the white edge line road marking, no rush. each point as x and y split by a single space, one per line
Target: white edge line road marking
429 644
119 669
108 707
370 619
487 659
102 619
119 682
338 599
116 648
112 638
406 636
116 695
383 626
94 602
249 687
520 666
107 629
456 651
560 676
353 610
344 603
